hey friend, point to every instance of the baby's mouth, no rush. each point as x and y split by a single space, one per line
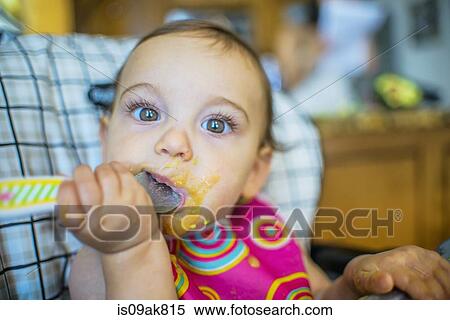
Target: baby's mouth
165 196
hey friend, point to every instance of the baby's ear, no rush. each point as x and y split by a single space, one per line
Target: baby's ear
103 133
259 173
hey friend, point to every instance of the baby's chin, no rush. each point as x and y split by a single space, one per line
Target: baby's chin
189 219
183 221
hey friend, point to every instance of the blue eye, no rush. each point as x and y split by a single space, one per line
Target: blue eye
145 114
216 126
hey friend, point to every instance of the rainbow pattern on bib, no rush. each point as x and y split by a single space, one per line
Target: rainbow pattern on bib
260 261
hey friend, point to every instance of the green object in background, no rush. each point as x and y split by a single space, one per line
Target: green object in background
12 7
397 92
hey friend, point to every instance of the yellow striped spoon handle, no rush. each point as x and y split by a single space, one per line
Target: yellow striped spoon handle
23 197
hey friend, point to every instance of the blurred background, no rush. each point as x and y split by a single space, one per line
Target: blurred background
374 76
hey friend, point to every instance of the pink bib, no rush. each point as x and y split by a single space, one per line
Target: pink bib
220 263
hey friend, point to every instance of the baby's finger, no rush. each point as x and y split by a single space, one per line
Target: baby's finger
72 215
67 194
88 189
127 182
120 168
68 202
131 186
126 179
109 183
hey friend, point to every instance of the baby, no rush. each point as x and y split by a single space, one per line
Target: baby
193 108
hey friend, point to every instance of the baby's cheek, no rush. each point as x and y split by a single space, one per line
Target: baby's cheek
120 155
126 150
113 151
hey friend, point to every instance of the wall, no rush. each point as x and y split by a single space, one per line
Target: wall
429 62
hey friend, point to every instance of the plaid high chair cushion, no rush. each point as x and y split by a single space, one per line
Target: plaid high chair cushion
48 126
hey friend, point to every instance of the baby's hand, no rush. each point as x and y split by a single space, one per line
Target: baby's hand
421 273
113 185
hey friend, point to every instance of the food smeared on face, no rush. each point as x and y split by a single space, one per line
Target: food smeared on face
192 190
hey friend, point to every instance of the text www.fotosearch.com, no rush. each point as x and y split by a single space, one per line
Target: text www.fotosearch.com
141 309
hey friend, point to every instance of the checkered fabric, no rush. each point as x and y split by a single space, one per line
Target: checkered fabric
296 176
48 126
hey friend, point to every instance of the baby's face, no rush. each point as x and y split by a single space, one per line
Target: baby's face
193 114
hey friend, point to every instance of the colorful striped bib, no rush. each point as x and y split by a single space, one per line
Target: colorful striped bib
233 263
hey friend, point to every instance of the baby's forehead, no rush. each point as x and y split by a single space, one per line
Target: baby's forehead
196 47
198 59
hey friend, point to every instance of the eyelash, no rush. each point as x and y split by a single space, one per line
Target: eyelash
228 118
133 105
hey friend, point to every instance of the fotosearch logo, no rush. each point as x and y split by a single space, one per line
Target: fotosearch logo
118 223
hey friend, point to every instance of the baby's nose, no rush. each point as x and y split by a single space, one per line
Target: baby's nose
175 143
